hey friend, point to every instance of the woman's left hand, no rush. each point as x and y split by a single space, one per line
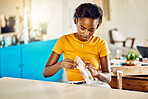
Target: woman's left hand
92 69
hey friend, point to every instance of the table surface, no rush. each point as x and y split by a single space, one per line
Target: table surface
15 88
130 70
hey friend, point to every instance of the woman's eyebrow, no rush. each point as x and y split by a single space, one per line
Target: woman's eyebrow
92 28
83 26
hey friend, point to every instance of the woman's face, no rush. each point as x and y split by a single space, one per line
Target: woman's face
86 28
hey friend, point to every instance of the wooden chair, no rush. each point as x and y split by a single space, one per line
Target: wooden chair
118 37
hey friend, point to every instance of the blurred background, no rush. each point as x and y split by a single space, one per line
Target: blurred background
49 19
23 21
30 28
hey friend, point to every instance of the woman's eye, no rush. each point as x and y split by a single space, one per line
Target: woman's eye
91 30
82 29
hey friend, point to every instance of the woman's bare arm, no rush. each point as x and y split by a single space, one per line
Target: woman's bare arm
105 75
52 67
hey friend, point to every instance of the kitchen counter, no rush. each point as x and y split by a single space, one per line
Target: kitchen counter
15 88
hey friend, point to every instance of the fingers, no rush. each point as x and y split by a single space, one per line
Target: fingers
91 69
88 65
81 73
69 64
71 61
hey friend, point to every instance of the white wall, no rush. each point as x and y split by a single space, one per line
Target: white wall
49 12
131 17
8 7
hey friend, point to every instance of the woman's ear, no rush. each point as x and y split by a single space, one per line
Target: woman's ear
99 23
97 26
76 20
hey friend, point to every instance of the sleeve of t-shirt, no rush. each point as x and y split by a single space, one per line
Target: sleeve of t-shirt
104 50
58 47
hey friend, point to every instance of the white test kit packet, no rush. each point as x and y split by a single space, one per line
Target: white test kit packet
86 74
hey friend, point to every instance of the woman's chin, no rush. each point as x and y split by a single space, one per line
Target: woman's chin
84 40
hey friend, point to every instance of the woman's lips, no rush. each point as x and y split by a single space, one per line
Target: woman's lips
85 38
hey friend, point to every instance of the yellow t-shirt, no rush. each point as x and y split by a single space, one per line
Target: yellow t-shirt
90 51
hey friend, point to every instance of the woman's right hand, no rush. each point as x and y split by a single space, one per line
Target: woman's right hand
68 64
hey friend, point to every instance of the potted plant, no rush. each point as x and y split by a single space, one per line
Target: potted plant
132 58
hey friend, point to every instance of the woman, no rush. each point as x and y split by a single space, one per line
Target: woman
91 49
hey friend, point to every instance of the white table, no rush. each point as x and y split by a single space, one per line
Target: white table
14 88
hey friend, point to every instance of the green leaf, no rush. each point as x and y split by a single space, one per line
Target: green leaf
132 55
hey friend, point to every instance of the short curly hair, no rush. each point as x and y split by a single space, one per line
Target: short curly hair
88 10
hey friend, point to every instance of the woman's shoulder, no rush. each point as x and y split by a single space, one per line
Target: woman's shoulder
98 39
67 36
101 42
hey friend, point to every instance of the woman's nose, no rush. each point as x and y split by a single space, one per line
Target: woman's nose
86 33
